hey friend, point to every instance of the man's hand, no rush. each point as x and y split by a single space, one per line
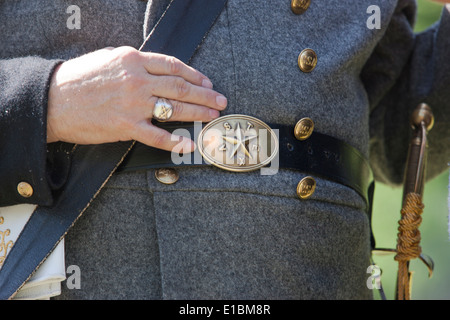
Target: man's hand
109 95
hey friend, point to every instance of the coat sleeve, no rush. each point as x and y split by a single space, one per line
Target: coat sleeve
25 155
404 70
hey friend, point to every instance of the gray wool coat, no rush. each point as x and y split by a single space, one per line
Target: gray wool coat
222 235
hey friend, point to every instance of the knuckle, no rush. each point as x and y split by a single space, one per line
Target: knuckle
177 108
127 54
181 88
158 140
174 65
131 83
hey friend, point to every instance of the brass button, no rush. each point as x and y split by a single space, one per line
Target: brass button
307 60
300 6
25 189
306 187
304 128
167 175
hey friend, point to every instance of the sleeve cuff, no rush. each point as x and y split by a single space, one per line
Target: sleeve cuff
24 173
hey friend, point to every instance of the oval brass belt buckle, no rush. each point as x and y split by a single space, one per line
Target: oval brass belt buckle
238 143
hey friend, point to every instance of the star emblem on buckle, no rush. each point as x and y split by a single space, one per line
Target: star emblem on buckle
238 143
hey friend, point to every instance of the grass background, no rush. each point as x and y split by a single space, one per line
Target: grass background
434 228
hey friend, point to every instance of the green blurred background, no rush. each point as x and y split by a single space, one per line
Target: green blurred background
434 228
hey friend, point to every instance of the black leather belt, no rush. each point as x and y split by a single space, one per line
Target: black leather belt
319 155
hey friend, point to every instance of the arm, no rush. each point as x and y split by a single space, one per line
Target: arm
405 70
24 85
102 97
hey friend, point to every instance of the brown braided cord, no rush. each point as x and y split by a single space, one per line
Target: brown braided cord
408 241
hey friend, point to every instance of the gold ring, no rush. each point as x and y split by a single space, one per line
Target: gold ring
163 110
